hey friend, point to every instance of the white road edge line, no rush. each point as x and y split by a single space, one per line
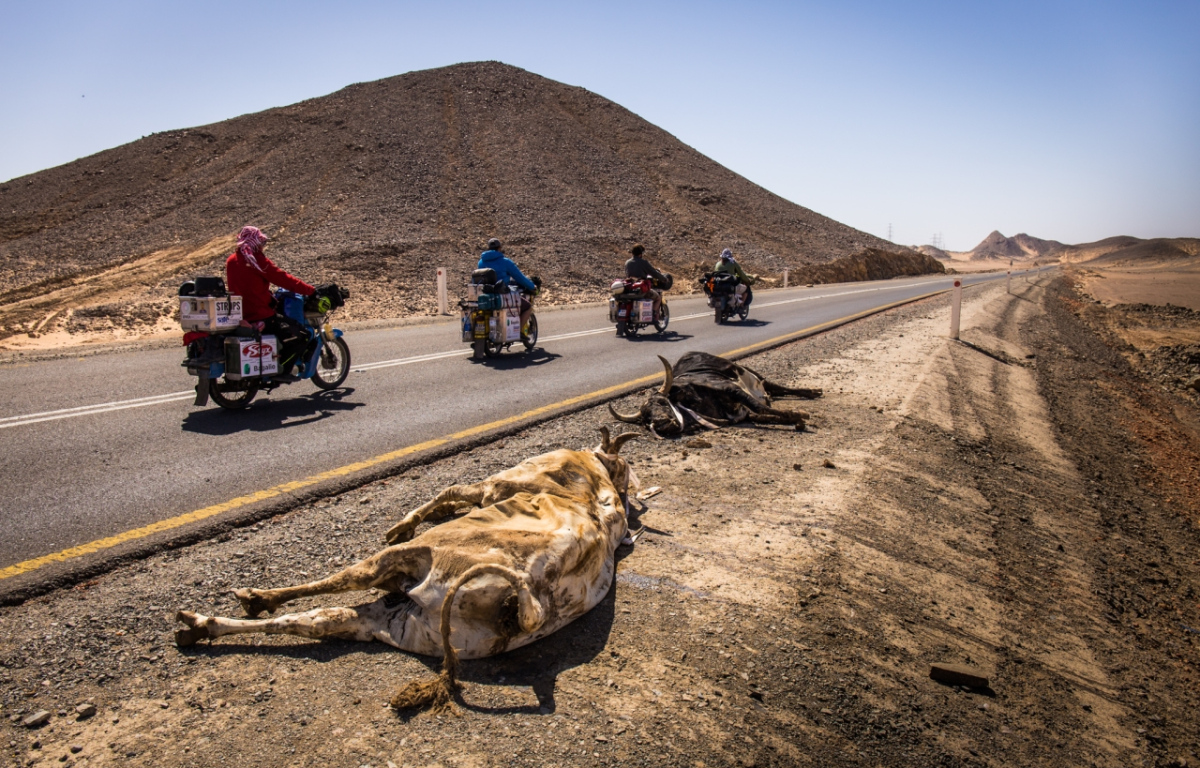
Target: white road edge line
88 410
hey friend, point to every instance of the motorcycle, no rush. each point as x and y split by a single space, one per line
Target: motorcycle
233 362
723 296
632 309
491 316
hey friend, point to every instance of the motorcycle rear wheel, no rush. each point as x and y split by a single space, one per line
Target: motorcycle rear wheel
231 395
622 327
333 366
664 318
530 339
478 349
719 315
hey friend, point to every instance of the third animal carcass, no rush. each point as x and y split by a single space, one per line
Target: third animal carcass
709 391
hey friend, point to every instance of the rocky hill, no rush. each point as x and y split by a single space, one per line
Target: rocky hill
376 185
1021 246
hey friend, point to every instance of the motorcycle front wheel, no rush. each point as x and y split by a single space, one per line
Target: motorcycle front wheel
743 312
530 339
334 365
664 317
492 348
232 395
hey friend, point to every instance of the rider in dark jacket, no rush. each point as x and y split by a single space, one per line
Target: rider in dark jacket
640 267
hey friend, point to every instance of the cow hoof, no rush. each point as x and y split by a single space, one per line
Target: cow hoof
399 534
197 629
252 603
189 636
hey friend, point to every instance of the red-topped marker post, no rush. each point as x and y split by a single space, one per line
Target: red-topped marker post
956 309
443 302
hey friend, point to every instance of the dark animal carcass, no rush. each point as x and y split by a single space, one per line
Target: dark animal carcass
709 391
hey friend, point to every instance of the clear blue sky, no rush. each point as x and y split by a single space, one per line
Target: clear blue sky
1067 120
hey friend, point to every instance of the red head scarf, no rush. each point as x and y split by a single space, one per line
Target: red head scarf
249 245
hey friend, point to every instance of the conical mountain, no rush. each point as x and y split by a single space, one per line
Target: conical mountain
377 184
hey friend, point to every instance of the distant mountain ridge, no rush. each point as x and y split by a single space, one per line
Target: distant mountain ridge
1132 250
1021 246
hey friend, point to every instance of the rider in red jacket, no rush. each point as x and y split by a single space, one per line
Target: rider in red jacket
250 274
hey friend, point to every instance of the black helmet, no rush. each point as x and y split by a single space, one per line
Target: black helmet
494 244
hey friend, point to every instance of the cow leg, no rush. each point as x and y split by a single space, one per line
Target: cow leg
363 623
395 569
778 390
443 505
776 416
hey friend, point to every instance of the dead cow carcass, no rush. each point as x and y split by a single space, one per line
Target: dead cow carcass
534 553
709 391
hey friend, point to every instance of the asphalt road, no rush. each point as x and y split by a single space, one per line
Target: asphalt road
96 446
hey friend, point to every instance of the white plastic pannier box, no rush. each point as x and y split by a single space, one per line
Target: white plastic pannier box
210 313
512 325
645 310
248 357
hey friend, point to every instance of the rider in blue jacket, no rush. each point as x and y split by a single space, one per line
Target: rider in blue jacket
506 270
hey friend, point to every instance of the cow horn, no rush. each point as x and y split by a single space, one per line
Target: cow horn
634 419
669 376
604 441
619 440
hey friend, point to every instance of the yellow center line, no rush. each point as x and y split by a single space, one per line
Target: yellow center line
295 485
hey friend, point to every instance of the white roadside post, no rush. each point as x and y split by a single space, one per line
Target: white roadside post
955 309
441 290
785 278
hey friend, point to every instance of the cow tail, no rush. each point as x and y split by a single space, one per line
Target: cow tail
438 693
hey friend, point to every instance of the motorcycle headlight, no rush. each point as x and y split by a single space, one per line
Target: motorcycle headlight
324 304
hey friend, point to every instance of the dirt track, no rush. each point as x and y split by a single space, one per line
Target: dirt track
1008 505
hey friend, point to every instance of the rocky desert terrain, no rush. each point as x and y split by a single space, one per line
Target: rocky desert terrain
1024 502
378 185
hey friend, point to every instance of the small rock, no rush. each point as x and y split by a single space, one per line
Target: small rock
1194 384
797 467
698 443
828 464
75 749
957 674
85 710
37 719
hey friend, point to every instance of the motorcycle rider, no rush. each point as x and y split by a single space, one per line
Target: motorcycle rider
508 272
640 267
250 274
728 265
